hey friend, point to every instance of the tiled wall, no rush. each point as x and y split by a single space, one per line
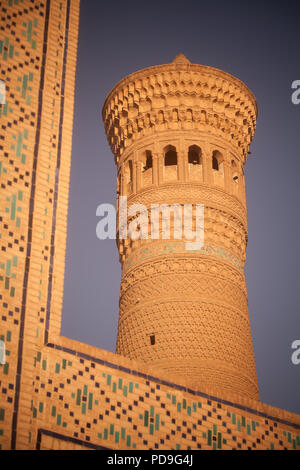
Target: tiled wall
108 401
38 42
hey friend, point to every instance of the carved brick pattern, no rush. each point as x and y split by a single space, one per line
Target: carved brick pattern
220 229
173 247
179 96
192 193
185 335
183 264
200 287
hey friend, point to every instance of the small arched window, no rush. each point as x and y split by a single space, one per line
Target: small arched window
195 163
129 176
171 157
147 172
148 163
152 340
194 155
218 168
170 166
217 161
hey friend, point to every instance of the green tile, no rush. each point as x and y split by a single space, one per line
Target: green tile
78 397
157 422
90 403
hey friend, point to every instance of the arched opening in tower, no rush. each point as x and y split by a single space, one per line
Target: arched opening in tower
129 176
195 163
170 167
147 170
218 168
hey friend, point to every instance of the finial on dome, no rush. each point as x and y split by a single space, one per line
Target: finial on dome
181 59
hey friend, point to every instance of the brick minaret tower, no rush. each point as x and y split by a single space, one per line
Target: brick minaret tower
180 134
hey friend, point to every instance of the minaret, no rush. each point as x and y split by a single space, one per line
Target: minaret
180 134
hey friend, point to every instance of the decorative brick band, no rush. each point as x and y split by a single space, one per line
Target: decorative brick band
178 247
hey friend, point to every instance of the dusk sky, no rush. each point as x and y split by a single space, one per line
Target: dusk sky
256 41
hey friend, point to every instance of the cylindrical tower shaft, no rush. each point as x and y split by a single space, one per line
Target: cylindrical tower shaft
180 134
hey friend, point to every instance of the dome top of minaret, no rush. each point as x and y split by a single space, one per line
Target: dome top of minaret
181 59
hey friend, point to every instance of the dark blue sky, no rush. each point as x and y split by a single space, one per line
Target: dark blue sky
258 42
